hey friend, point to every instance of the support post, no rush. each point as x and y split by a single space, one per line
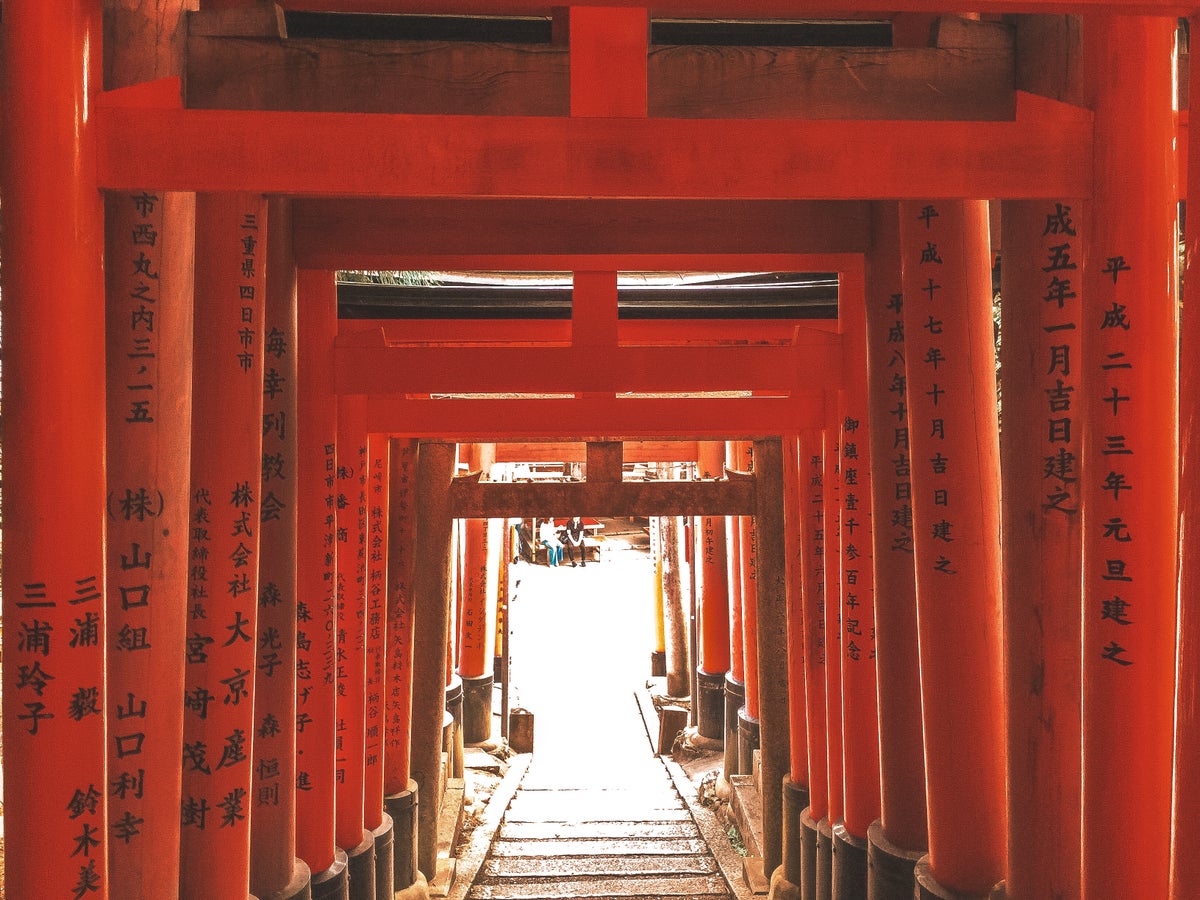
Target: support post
475 628
831 499
1130 453
375 820
953 438
749 733
714 608
431 597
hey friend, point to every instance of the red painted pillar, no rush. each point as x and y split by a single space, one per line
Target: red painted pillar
735 681
1130 453
831 499
748 718
316 569
476 633
1185 849
274 869
1041 367
400 791
956 494
352 638
901 836
375 819
54 753
227 404
860 720
714 607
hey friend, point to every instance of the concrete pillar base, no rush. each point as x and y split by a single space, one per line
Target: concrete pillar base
333 883
748 741
418 890
452 745
384 858
658 664
477 709
795 801
735 699
710 705
808 856
824 888
402 808
781 888
454 699
299 888
360 863
889 868
849 864
928 888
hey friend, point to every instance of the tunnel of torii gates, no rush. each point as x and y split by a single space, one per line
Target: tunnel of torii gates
227 557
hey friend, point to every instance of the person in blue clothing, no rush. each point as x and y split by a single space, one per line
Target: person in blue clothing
548 535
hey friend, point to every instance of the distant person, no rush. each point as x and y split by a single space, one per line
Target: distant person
574 535
548 535
525 541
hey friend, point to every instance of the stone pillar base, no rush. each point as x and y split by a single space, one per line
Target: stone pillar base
384 858
333 883
477 709
735 699
889 868
795 801
402 808
824 889
849 864
748 742
928 888
808 856
781 888
710 708
658 664
361 866
299 888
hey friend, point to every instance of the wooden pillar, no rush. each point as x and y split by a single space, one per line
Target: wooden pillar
377 548
431 595
831 498
956 493
316 570
54 686
227 403
795 781
902 826
1185 846
658 656
274 869
747 565
1129 460
1041 369
771 639
674 619
476 628
733 540
714 607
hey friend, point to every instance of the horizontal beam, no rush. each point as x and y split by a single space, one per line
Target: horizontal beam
575 451
1046 152
492 421
446 370
656 234
470 499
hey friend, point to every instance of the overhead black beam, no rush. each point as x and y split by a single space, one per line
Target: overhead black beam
471 499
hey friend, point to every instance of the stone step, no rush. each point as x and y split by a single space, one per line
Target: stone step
610 864
594 846
599 888
587 801
579 813
651 831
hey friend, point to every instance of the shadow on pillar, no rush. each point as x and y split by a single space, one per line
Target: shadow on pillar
749 736
402 808
360 863
824 866
384 858
890 869
477 709
710 711
333 883
849 864
928 888
299 888
735 698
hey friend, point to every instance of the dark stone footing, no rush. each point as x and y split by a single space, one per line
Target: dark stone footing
658 664
402 808
333 883
824 890
360 862
710 709
808 856
477 709
735 699
849 864
748 741
795 801
299 888
889 868
928 888
384 862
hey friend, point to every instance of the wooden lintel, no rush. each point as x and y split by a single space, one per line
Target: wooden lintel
604 459
491 500
576 451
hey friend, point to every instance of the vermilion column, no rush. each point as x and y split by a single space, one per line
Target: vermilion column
149 247
1129 486
900 836
378 822
1042 371
860 720
54 739
714 607
1185 848
316 570
357 841
831 498
658 657
748 718
475 628
735 681
956 515
227 403
400 791
274 869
